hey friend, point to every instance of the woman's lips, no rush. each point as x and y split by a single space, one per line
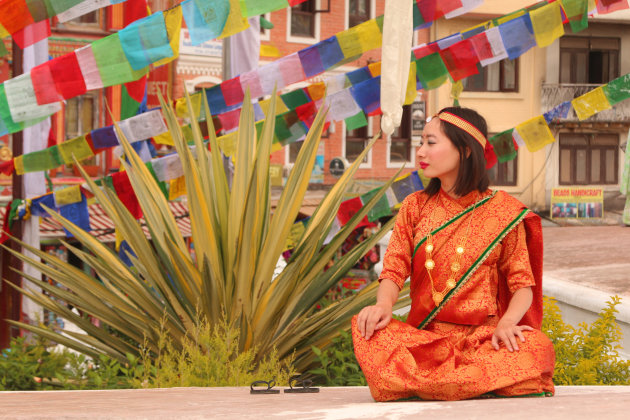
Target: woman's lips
423 165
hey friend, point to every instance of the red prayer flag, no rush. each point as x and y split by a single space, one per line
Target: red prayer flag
124 191
425 50
136 88
306 113
429 10
14 15
68 76
7 167
447 6
482 46
349 208
32 33
232 91
460 59
134 10
609 6
229 120
44 84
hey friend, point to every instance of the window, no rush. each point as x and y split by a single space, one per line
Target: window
588 60
356 140
501 76
303 19
80 115
90 21
400 140
358 12
503 173
588 158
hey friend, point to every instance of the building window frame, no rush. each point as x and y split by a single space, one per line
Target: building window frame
95 164
501 179
588 48
265 34
371 12
79 25
502 78
367 164
299 39
404 134
589 148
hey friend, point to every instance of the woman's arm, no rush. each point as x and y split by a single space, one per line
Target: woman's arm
507 329
376 317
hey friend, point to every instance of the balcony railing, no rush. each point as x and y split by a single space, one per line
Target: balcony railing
553 95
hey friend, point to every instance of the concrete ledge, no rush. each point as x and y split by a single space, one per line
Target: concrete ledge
570 402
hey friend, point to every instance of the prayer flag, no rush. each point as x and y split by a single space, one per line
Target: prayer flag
349 43
431 71
236 20
446 42
291 69
330 52
7 123
177 188
37 204
44 84
133 98
164 138
78 214
257 7
367 94
67 75
347 209
32 34
205 20
68 195
356 121
270 77
14 15
428 10
547 23
89 68
590 103
113 66
380 209
251 80
294 98
105 137
77 147
41 160
518 36
369 35
559 112
232 91
359 75
503 145
311 61
482 46
577 13
375 68
609 6
466 6
343 105
618 90
496 44
403 186
124 252
227 143
317 91
124 191
80 9
535 133
173 22
60 6
167 167
146 41
22 101
460 59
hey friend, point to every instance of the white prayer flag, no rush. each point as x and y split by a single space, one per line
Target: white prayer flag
496 43
22 101
89 69
143 126
467 6
83 8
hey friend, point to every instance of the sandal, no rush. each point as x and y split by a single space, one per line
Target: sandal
306 386
269 384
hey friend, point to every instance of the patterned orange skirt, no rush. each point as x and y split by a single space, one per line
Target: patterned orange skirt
447 361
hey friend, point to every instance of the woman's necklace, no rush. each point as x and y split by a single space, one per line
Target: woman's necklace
455 265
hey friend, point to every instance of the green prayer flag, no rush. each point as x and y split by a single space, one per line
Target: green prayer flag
618 90
380 209
40 9
5 113
257 7
42 160
161 184
295 98
577 13
112 63
356 121
62 5
431 71
281 129
109 183
503 145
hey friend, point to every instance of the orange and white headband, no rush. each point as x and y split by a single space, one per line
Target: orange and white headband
464 125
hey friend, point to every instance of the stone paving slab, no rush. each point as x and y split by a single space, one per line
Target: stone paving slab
337 403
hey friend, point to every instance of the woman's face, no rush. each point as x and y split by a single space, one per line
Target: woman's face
437 156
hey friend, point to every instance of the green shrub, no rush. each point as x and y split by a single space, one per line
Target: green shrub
27 366
588 355
337 365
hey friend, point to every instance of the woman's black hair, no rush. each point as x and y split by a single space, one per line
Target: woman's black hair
472 174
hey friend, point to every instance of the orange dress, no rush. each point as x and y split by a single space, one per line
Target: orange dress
445 353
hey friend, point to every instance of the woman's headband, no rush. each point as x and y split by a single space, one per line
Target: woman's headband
464 125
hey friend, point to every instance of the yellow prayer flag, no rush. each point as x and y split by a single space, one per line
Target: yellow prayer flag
375 69
590 103
3 32
349 43
177 188
181 105
269 51
164 138
119 239
281 108
547 23
69 195
173 21
535 133
227 143
369 35
411 93
236 20
275 146
317 90
78 147
18 164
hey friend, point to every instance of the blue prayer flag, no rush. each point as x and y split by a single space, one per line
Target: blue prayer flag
367 94
311 61
103 138
78 214
36 205
359 75
330 52
145 41
124 252
205 19
518 36
560 111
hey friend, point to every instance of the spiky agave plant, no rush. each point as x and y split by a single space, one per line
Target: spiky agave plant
238 242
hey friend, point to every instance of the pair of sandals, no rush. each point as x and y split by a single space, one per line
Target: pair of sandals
303 386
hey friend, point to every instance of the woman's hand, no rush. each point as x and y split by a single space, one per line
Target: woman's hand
509 333
373 318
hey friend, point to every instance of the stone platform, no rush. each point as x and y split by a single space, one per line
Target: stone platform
335 403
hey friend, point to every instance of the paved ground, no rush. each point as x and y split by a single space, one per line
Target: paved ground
592 256
331 404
